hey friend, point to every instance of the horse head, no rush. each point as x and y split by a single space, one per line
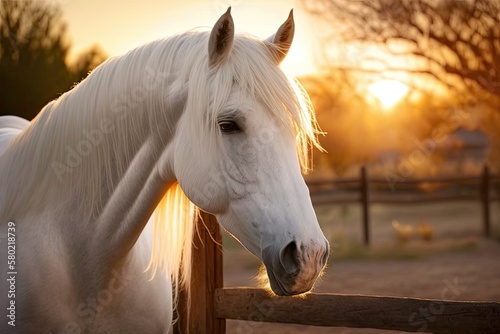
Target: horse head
242 162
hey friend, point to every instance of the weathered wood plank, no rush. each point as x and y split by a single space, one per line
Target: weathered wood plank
324 181
215 277
357 311
206 276
485 201
333 197
365 205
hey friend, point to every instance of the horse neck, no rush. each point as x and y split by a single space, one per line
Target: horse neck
79 148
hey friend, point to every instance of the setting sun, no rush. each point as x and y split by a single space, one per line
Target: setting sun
388 92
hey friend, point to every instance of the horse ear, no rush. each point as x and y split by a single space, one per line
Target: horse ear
221 39
282 40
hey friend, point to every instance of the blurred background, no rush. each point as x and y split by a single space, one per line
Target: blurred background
406 91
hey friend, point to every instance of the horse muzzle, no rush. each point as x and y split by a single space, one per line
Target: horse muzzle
294 268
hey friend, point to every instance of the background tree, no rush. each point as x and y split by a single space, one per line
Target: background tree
448 39
33 57
341 114
87 61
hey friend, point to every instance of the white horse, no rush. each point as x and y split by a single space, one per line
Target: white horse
205 114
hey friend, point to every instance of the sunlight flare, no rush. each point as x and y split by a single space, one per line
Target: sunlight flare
388 92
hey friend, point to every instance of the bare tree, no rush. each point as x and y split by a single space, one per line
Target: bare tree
87 61
456 42
341 116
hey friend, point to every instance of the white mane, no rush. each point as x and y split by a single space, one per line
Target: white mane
165 66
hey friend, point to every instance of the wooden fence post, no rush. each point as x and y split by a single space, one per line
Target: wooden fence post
485 200
364 205
206 277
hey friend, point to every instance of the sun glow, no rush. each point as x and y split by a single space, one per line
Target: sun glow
388 92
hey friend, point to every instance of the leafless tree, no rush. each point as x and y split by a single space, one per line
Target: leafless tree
456 42
340 112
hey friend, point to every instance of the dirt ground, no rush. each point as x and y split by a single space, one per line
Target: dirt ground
417 269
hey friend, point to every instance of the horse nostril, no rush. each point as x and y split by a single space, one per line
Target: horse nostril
325 254
289 258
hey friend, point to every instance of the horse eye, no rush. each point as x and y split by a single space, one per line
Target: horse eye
228 126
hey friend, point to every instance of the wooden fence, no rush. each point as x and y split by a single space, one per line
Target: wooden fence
212 304
364 190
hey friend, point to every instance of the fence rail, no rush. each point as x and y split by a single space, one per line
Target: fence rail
211 304
364 190
358 311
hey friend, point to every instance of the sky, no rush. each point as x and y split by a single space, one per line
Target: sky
120 25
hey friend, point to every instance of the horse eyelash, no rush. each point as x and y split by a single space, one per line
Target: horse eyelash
235 123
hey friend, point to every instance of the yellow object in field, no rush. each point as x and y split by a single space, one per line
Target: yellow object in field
425 231
403 231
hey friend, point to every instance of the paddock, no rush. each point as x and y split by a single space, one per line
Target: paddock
213 303
366 190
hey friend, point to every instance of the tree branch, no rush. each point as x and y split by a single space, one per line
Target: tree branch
456 38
